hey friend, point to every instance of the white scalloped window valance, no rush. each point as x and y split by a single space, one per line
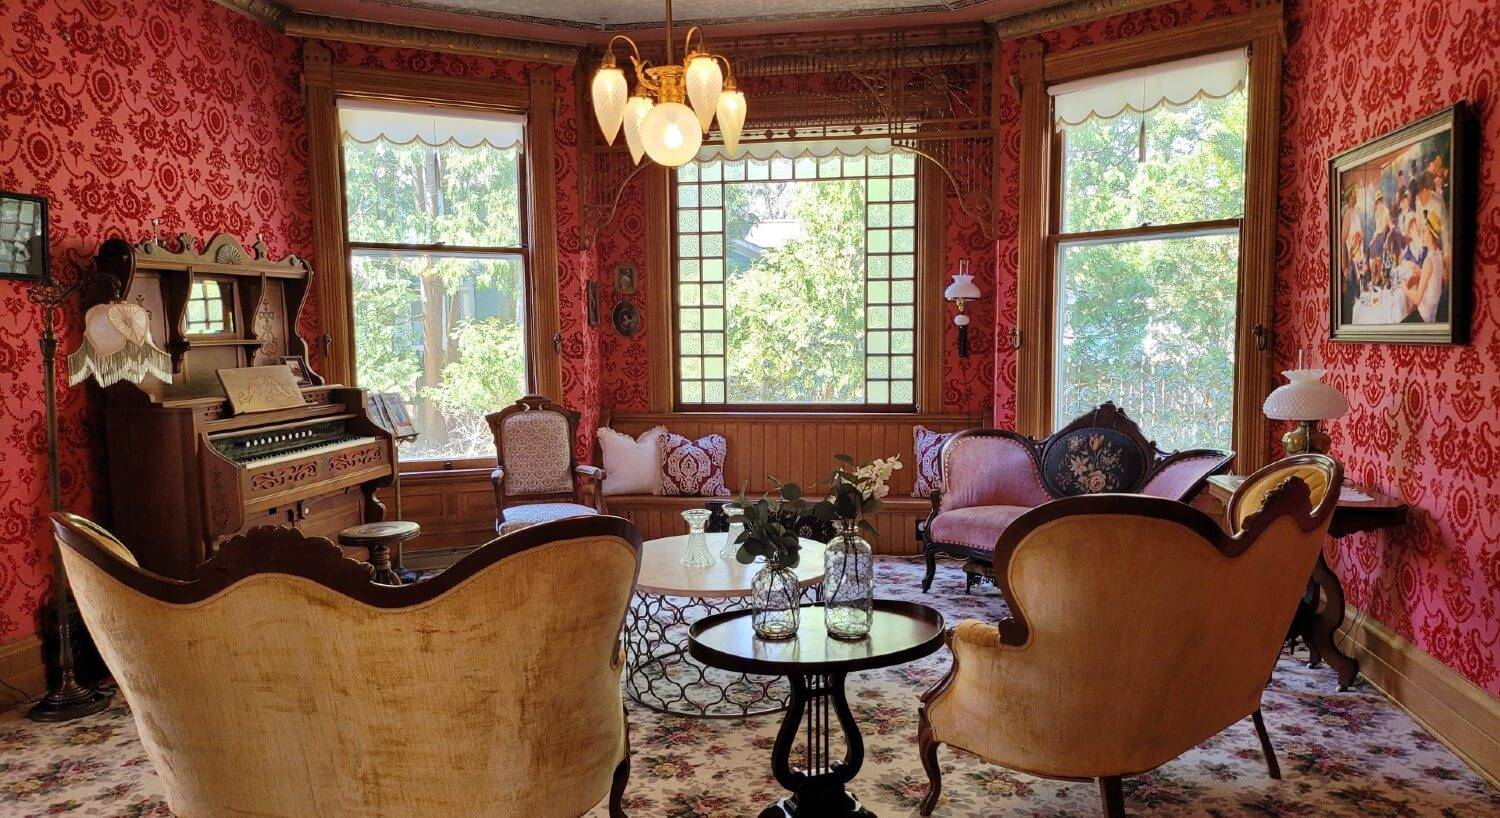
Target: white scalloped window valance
793 150
1145 89
365 121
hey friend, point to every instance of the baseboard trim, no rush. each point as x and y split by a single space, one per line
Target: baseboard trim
21 667
1455 710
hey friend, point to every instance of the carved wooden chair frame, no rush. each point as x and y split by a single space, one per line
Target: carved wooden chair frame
1291 498
578 471
1104 416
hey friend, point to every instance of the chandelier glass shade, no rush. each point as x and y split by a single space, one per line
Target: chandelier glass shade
674 104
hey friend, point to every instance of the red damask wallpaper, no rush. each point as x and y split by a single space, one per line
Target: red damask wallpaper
121 112
1424 421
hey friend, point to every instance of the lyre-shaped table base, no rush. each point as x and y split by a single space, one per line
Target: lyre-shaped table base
818 785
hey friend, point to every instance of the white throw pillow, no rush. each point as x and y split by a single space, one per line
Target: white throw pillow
632 466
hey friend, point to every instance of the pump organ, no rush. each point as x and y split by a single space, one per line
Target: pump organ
187 471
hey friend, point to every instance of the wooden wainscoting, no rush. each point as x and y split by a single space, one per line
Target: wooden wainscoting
794 447
455 508
21 668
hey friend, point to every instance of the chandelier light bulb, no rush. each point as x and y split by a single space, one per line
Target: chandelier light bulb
705 81
731 111
635 114
671 134
609 93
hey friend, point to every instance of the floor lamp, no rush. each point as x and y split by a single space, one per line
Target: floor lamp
116 346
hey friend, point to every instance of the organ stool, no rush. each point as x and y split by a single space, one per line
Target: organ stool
377 538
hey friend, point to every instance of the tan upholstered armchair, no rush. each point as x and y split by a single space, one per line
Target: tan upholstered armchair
1138 630
282 683
538 477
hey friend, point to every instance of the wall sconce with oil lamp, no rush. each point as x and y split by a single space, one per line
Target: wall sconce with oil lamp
961 291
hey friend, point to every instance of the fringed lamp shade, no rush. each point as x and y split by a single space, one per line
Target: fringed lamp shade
117 346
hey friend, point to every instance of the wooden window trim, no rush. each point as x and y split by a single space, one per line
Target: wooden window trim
1261 32
323 84
660 191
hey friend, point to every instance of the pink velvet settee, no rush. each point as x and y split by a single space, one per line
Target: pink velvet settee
989 477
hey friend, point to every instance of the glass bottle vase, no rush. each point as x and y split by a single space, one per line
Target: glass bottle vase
848 584
775 602
697 555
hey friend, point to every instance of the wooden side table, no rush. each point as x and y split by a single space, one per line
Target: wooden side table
816 665
1322 610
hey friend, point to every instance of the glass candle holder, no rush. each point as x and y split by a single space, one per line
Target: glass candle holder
697 555
731 547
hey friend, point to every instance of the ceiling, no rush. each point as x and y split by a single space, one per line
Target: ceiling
591 17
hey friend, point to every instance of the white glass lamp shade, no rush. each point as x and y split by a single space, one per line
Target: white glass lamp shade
962 286
671 134
610 93
731 110
705 81
636 109
1305 397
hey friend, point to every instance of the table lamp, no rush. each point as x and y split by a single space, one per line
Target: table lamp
1307 400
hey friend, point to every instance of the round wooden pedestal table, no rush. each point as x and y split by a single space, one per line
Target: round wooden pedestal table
669 597
816 665
377 539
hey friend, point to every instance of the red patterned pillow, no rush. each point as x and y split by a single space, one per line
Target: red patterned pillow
928 444
693 468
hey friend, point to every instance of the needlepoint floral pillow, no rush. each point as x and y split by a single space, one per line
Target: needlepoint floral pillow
693 468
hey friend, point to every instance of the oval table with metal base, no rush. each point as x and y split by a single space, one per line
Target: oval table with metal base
668 598
816 665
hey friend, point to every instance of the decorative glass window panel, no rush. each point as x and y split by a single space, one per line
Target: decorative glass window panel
796 279
1147 268
437 256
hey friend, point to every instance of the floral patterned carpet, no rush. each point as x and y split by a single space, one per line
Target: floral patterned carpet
1342 754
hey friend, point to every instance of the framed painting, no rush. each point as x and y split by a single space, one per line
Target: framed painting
1401 234
23 236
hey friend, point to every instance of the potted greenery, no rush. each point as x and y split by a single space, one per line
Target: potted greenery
854 493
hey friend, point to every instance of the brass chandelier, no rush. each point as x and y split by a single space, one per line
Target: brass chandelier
656 121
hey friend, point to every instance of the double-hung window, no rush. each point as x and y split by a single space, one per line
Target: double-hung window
435 208
1150 185
797 277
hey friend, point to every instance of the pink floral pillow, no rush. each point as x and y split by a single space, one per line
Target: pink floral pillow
693 468
928 445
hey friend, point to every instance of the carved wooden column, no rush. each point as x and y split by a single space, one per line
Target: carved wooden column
1034 296
544 325
326 186
661 365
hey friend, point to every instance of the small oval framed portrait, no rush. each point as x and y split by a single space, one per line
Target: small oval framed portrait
626 318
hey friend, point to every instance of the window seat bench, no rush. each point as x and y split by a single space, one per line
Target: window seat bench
797 447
